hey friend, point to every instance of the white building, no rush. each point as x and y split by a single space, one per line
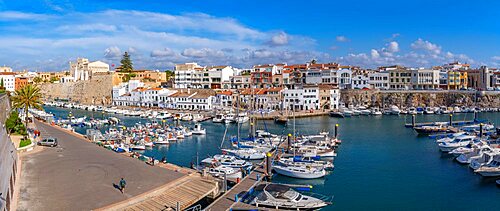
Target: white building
304 98
5 69
9 80
82 69
379 80
360 81
184 74
424 79
344 78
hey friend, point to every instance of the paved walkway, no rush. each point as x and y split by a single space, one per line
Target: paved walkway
78 175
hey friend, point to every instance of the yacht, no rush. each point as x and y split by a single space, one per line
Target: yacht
230 118
428 110
198 117
364 111
313 161
490 169
394 110
246 153
198 130
225 171
300 171
476 152
476 127
450 137
219 118
460 141
412 111
187 117
137 147
161 140
226 160
278 196
242 118
480 160
376 111
163 115
347 113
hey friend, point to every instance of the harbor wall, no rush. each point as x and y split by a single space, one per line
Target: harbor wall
96 91
419 98
8 158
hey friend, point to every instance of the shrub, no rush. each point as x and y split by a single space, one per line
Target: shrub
24 142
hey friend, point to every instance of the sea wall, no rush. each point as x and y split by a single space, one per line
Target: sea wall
96 91
415 98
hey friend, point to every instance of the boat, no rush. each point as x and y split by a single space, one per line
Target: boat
313 161
364 111
219 118
300 171
162 140
376 111
394 110
241 118
279 196
198 117
480 160
460 141
225 171
347 113
475 152
246 153
431 129
229 118
412 111
477 127
428 110
163 115
226 160
137 147
336 114
281 119
197 130
490 169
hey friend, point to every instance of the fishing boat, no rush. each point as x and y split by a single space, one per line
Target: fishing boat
279 196
197 130
300 171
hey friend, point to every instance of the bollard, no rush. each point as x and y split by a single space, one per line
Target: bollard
451 120
481 130
413 120
336 130
268 163
289 139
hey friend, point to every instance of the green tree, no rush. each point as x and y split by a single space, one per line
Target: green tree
126 63
169 75
14 125
1 84
37 80
27 97
66 73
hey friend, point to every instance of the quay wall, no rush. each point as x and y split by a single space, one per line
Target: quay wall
8 158
416 98
97 91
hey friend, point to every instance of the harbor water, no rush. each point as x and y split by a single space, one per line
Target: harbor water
381 165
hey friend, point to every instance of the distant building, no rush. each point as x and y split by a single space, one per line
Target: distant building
424 79
479 79
9 80
184 74
399 77
83 69
379 80
20 82
5 69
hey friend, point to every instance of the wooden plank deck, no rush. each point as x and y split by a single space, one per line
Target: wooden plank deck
187 193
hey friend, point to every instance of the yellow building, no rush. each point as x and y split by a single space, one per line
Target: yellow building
457 79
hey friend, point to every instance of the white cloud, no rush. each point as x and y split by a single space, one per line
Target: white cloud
162 53
112 52
425 45
15 15
201 53
496 58
375 54
341 39
393 47
279 39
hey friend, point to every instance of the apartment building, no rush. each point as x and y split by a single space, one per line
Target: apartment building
424 79
378 80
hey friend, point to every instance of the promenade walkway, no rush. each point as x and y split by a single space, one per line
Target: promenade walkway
78 175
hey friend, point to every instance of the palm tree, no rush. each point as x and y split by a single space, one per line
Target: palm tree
27 97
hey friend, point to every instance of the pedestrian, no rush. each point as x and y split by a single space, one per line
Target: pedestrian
122 185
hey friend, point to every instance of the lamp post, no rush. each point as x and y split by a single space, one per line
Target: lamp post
102 114
69 117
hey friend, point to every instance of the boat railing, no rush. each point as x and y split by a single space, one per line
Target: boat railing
324 198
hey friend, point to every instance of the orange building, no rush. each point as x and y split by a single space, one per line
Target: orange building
20 82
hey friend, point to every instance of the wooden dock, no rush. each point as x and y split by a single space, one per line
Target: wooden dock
183 193
454 123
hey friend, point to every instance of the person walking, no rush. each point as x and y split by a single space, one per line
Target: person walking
122 185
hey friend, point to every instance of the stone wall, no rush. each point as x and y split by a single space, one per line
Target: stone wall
416 98
96 91
8 158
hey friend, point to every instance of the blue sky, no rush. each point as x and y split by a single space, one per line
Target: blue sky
45 35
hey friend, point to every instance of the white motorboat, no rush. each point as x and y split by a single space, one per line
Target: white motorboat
412 111
450 138
480 160
198 130
242 118
198 117
313 161
187 117
219 118
226 160
394 110
300 171
247 153
364 111
347 113
225 171
162 140
149 144
476 127
163 115
490 169
475 152
460 141
278 196
137 147
229 118
376 111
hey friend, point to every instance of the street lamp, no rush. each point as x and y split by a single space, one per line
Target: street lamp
69 117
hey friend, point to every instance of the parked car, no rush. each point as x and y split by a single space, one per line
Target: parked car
50 142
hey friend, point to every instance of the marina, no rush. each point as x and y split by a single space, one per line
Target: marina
352 168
